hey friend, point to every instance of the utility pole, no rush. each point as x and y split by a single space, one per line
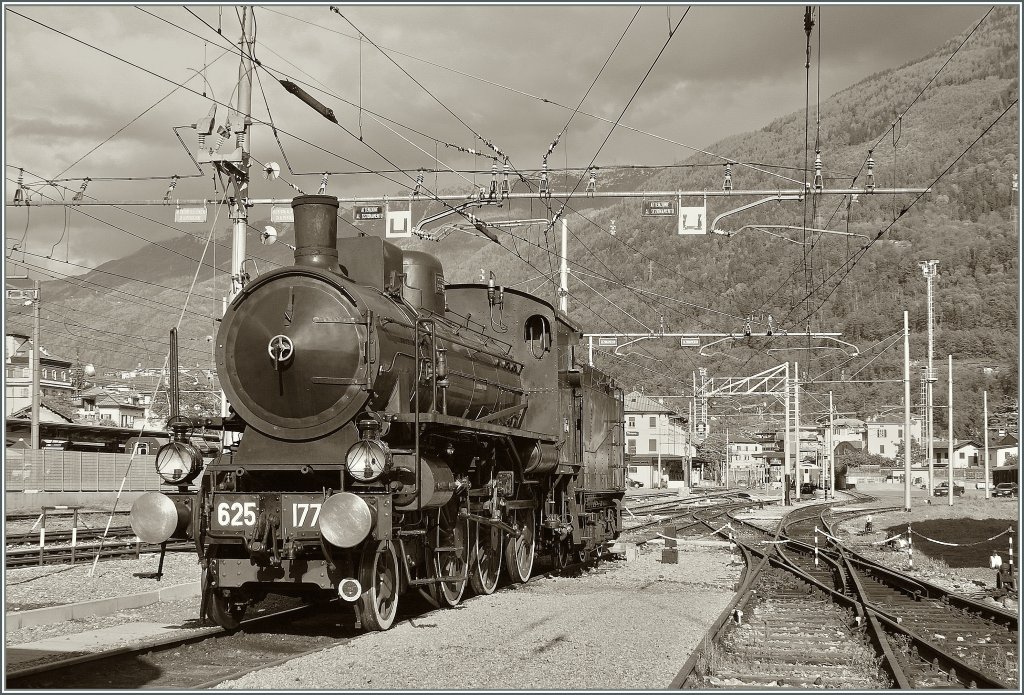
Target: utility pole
796 424
831 493
235 164
786 444
930 270
688 473
727 457
906 412
563 283
26 297
240 213
950 430
984 402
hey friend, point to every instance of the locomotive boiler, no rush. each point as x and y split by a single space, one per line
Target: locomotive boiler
397 434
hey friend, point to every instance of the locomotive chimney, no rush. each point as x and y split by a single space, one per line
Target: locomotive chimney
316 231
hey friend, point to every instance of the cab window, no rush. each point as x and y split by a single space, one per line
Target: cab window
537 334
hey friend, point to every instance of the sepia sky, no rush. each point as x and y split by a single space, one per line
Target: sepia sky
77 75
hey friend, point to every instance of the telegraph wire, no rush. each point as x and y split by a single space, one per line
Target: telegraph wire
853 260
361 140
860 254
552 102
879 141
631 98
139 215
68 323
117 275
130 233
591 87
470 128
129 123
80 282
916 98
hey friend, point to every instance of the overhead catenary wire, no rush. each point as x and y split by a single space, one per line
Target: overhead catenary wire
552 102
856 258
883 135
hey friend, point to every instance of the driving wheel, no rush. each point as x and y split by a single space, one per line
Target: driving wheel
378 574
519 551
562 553
451 561
225 612
485 562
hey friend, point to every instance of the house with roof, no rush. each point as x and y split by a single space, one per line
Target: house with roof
49 411
1002 448
746 461
965 453
54 374
103 405
885 437
655 435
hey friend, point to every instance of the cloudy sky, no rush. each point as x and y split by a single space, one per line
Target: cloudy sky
96 91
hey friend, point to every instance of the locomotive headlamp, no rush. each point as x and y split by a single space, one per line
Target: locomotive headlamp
368 459
178 462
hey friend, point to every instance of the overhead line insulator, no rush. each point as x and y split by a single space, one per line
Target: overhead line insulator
310 101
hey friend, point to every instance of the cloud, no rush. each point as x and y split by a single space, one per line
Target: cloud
728 69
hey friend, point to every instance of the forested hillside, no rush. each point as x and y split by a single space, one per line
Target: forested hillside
955 137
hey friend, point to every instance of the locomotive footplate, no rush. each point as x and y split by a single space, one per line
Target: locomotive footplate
229 573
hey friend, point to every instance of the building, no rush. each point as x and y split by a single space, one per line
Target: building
885 437
49 412
655 434
54 375
100 405
746 462
1002 448
848 429
965 453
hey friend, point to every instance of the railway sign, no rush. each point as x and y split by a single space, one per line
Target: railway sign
693 220
608 342
689 342
399 224
362 213
658 208
701 429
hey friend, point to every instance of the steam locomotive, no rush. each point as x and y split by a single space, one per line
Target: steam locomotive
397 434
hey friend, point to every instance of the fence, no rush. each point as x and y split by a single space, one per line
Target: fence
77 471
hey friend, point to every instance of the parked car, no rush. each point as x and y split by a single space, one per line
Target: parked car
633 483
1005 490
807 488
943 490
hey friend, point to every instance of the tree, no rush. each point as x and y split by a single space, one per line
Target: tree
859 459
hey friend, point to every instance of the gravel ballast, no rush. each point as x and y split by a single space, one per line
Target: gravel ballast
26 588
624 625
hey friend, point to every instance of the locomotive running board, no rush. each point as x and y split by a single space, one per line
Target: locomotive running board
475 425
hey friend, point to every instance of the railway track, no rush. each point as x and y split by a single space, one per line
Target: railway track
838 606
210 655
65 536
83 552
